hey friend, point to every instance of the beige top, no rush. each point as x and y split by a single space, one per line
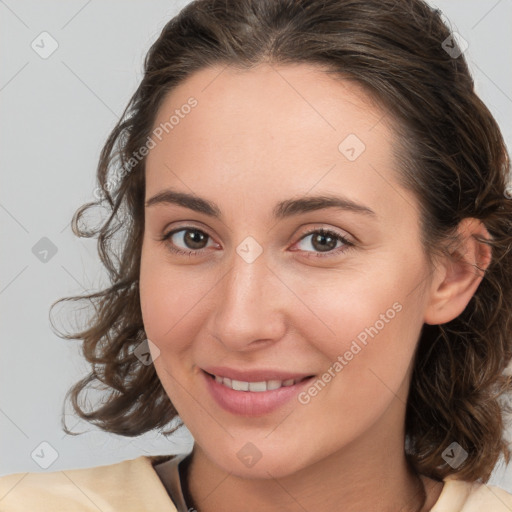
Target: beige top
134 486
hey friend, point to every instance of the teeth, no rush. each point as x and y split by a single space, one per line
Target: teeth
240 385
258 386
273 384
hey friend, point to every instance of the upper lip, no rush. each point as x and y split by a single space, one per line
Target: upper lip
255 375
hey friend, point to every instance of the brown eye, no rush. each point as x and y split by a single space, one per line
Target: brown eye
324 241
194 239
186 240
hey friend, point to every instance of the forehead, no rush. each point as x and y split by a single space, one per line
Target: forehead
272 131
270 102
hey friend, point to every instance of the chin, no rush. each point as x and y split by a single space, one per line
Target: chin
246 460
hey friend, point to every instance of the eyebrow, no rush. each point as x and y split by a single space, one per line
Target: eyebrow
283 209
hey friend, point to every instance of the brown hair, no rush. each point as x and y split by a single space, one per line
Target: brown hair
451 154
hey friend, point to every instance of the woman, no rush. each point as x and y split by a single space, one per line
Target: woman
314 273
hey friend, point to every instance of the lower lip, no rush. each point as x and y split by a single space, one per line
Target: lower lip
252 403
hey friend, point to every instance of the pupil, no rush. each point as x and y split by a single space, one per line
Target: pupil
194 237
321 238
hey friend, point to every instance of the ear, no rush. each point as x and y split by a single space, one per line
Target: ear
457 277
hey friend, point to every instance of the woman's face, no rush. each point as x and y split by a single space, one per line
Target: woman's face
262 160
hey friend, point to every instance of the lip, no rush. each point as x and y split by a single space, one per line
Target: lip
249 403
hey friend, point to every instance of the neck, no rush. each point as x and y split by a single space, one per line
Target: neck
369 471
321 490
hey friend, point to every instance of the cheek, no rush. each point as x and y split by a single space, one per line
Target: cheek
371 325
370 346
158 297
365 373
346 308
171 300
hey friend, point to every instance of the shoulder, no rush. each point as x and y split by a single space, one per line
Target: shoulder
130 485
459 495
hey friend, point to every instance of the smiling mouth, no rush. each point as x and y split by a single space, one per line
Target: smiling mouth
258 387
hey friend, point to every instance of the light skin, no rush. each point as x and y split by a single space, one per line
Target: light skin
254 139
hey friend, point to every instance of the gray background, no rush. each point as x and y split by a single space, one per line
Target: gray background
56 115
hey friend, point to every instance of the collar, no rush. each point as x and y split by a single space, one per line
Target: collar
169 473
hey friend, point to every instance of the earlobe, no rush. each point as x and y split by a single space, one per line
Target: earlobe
457 278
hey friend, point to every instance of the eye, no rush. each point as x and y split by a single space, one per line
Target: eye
325 241
192 240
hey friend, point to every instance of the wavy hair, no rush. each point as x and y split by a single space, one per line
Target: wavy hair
451 155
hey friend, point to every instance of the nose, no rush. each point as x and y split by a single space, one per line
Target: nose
250 306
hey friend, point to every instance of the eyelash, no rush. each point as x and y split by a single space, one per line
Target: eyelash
326 232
